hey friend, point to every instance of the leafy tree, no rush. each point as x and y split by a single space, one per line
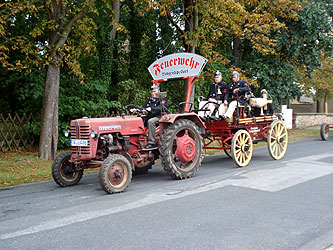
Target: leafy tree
229 32
56 20
323 79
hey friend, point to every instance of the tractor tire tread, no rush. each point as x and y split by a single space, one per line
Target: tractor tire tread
166 160
103 174
56 171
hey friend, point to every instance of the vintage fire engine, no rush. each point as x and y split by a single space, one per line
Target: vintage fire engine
117 145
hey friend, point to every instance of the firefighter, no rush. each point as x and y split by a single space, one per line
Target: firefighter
237 87
154 107
217 95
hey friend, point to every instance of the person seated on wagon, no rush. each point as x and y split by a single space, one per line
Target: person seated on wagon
216 96
153 106
237 87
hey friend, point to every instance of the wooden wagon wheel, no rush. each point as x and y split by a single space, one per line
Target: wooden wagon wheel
242 148
277 140
324 131
228 152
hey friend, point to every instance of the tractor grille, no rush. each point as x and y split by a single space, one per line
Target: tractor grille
81 132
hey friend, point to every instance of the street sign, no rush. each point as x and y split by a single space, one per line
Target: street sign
178 65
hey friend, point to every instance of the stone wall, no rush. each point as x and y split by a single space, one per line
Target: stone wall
304 120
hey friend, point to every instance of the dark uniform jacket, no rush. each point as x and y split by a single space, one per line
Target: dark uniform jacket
218 91
243 88
156 104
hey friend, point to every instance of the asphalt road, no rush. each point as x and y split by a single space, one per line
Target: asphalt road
286 204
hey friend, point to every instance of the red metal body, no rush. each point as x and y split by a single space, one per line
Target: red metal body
82 128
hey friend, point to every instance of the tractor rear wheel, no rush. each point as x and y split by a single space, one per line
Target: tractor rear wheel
115 174
64 172
324 131
181 149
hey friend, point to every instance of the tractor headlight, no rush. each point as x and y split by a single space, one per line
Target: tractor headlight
93 134
67 133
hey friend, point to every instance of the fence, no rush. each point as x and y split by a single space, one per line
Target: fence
15 132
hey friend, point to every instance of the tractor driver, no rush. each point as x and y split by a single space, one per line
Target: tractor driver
237 87
154 106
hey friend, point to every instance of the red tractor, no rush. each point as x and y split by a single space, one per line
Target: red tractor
116 145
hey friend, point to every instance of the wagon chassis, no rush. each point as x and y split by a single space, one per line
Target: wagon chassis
237 137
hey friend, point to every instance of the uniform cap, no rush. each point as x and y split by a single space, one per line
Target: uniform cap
154 87
235 73
218 73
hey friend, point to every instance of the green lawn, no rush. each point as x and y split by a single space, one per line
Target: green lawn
22 167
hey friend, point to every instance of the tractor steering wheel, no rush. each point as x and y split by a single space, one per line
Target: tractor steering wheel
131 106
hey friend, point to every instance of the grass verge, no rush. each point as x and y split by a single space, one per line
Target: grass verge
23 167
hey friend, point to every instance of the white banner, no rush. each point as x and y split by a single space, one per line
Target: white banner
177 65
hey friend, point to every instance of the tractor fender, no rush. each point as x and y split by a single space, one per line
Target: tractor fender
168 119
129 158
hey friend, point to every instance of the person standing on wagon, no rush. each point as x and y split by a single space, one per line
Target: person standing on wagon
239 87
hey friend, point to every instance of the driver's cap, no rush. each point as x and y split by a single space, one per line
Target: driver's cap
154 87
218 73
235 73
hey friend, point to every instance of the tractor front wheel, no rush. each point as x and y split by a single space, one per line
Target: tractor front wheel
181 149
64 172
115 174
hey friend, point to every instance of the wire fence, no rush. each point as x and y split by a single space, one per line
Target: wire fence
15 132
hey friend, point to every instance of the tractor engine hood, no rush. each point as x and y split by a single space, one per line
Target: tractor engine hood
127 125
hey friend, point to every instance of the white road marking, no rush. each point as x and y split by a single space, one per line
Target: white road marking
294 172
290 174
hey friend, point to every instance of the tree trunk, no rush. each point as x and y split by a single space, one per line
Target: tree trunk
49 125
236 50
48 141
115 16
136 31
191 23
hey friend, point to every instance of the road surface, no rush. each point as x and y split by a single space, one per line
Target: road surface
286 204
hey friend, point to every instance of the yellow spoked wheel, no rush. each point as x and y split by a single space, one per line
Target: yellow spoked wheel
242 148
277 140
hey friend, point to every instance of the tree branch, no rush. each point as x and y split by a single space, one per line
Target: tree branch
174 24
70 25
